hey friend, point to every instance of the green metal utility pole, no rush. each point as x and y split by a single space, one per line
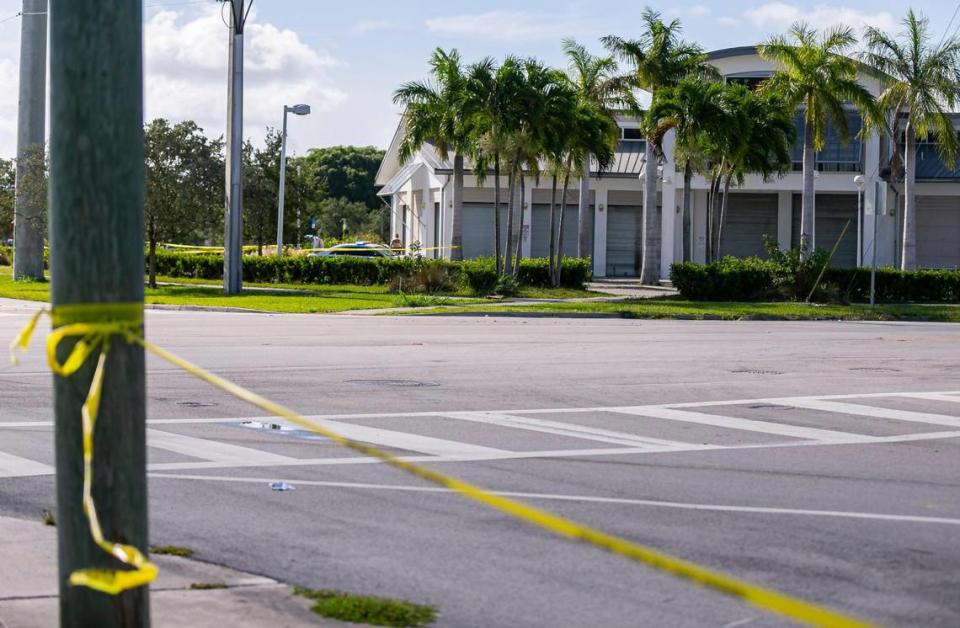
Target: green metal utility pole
96 225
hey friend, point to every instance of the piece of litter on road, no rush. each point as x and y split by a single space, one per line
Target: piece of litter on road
282 487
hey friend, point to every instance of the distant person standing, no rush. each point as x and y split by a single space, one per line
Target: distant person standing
396 244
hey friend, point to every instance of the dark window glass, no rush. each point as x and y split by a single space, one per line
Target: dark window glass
632 134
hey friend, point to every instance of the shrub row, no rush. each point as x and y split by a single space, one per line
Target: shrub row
754 280
480 274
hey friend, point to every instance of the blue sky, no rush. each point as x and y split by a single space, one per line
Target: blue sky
346 58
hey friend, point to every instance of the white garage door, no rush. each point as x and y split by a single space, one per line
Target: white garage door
749 218
938 231
478 230
540 245
833 212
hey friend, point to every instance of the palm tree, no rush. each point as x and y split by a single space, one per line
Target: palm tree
659 59
757 138
599 86
495 90
921 84
814 74
438 112
692 109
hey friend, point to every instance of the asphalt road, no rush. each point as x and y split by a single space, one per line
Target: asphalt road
799 456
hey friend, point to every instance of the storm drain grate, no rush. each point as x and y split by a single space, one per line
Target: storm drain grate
196 404
756 372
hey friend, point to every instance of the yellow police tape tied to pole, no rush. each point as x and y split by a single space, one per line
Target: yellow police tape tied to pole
124 322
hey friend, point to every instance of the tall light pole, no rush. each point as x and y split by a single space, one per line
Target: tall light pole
233 225
299 110
873 263
29 223
860 182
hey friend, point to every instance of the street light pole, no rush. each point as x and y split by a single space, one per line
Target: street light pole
233 225
873 264
300 110
859 181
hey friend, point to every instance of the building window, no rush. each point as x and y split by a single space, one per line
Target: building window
631 134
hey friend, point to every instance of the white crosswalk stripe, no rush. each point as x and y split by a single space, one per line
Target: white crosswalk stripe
209 453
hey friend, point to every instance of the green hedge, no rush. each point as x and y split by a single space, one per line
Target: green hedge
730 279
753 279
478 274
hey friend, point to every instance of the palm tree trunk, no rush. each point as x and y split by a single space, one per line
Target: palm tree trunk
712 204
650 265
806 209
687 217
909 258
723 213
523 211
508 257
456 220
558 268
496 211
583 212
553 225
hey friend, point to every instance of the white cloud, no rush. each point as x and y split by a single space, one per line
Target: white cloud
371 26
186 72
728 21
779 16
8 107
503 25
690 11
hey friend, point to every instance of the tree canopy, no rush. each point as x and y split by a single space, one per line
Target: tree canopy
346 172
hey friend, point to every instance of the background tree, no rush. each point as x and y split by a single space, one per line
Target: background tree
184 185
599 87
330 214
658 59
261 180
438 112
921 82
494 90
8 177
693 109
344 172
815 74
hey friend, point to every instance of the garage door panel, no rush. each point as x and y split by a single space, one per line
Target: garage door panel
478 229
540 245
623 240
833 211
749 217
938 231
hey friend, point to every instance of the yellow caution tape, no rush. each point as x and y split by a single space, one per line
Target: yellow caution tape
94 326
766 599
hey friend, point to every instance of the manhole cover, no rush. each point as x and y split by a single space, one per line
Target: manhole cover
756 372
875 369
392 383
196 404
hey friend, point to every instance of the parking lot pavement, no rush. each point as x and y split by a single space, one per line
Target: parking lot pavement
817 458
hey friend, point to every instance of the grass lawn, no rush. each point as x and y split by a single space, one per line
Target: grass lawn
673 308
323 299
523 293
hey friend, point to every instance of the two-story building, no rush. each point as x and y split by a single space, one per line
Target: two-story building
420 193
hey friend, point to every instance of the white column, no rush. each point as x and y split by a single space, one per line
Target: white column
699 226
426 221
600 232
785 219
396 209
527 243
670 214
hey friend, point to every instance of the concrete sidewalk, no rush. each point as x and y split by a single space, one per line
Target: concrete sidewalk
28 589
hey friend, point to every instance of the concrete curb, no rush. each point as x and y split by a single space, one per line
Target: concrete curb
29 589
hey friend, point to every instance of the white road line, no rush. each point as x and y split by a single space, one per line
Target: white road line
558 454
559 428
212 450
15 467
932 396
583 498
873 411
750 425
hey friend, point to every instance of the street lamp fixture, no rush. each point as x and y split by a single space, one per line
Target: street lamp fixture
298 110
